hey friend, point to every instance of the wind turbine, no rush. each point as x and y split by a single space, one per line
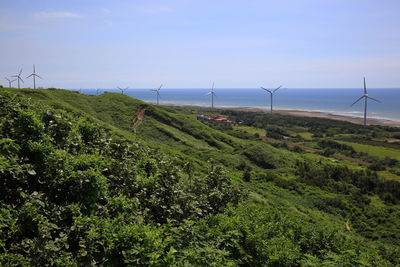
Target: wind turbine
365 96
271 92
97 91
18 76
212 93
34 77
122 89
158 93
9 82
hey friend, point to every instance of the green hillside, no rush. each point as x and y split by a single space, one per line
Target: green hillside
111 180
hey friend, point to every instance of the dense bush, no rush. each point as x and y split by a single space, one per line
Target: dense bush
275 132
70 192
334 145
342 180
267 157
252 235
353 189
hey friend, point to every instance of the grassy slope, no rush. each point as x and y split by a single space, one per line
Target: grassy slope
188 139
162 128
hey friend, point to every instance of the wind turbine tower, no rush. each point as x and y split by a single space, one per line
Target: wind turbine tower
158 93
365 96
212 93
18 76
271 92
122 89
34 75
9 82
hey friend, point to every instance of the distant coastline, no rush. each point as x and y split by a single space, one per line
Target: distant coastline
325 115
314 114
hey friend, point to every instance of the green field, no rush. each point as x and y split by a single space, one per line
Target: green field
381 152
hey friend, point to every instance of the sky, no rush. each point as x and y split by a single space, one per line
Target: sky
190 44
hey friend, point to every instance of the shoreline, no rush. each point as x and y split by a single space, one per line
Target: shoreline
314 114
326 115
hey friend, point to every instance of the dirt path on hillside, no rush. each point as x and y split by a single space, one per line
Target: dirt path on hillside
138 118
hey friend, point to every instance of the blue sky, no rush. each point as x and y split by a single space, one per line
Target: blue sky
190 44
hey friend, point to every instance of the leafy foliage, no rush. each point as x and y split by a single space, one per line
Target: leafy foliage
68 187
77 188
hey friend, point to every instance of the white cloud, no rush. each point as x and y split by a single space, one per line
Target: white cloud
56 15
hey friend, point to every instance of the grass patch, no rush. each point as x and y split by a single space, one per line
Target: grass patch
381 152
250 130
389 176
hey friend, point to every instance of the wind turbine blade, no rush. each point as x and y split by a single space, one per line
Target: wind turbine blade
277 88
212 86
20 71
29 76
357 101
269 91
7 79
154 90
209 93
14 76
160 87
14 80
119 88
374 99
38 76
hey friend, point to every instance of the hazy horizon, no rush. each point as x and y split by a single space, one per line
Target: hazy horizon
189 44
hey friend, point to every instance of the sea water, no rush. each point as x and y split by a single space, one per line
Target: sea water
331 101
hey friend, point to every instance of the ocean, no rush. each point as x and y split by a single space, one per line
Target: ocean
331 101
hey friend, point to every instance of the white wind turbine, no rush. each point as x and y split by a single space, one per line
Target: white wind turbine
34 75
212 93
158 93
365 96
271 92
10 82
18 76
122 89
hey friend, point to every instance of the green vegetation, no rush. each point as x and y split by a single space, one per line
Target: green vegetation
79 187
378 151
